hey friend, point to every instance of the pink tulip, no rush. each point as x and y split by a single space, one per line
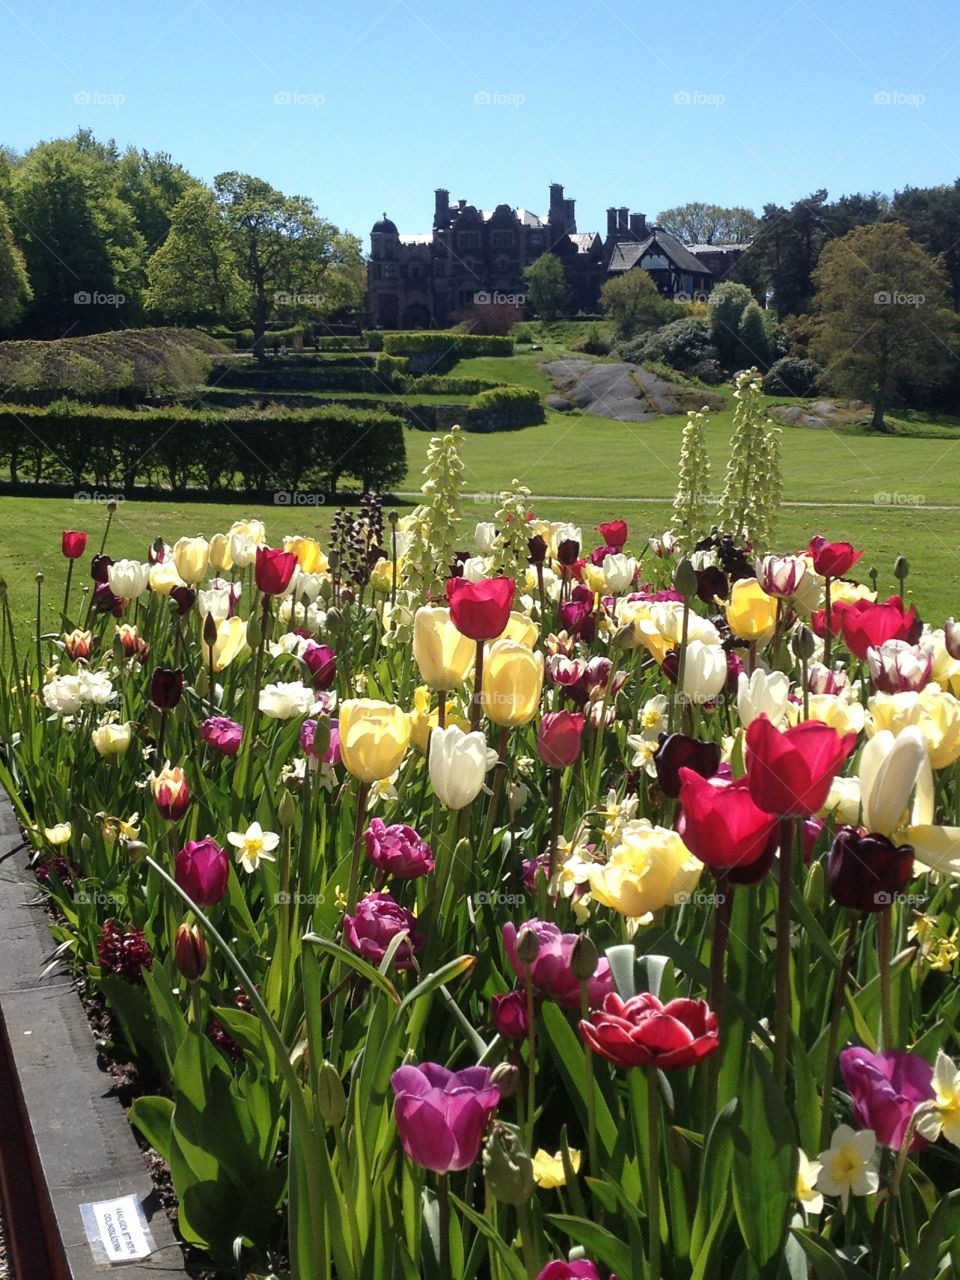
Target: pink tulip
441 1114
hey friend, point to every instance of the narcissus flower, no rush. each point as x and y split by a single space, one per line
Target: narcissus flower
191 556
202 870
808 1197
644 1032
73 543
943 1117
648 869
886 1089
480 610
425 717
751 613
512 683
374 737
849 1166
444 654
398 850
441 1115
550 969
457 764
833 559
274 569
253 846
790 771
721 824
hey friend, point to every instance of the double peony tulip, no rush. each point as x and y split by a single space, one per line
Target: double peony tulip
550 971
398 850
649 868
373 738
377 921
643 1032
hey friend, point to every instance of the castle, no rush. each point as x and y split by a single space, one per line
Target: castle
473 256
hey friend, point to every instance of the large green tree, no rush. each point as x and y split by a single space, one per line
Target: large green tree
547 288
725 309
194 276
881 312
699 223
634 304
152 185
15 289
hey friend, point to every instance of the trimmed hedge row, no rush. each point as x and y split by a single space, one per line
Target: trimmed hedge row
388 376
461 345
310 449
504 409
423 417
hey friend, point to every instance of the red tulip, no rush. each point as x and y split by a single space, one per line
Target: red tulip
481 610
721 824
274 570
614 533
73 543
833 559
790 771
865 625
559 738
202 870
643 1032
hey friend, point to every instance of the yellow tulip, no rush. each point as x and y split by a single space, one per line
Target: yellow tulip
443 655
522 629
381 575
512 683
548 1170
423 719
648 869
164 577
231 641
191 557
751 613
112 739
594 578
309 555
935 713
373 738
839 712
256 530
221 558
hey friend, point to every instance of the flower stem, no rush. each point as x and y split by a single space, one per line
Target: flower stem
39 631
886 1036
678 696
718 951
653 1139
362 794
531 1058
476 703
556 780
834 1033
443 1204
594 1163
827 623
66 591
782 1011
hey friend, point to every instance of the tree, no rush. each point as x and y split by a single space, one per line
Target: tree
547 287
881 311
698 223
932 215
152 185
194 275
633 302
286 254
754 342
725 309
15 288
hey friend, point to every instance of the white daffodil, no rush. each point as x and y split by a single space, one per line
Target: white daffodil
848 1167
253 846
943 1116
810 1199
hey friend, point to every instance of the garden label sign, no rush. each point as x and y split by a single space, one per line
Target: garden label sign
117 1231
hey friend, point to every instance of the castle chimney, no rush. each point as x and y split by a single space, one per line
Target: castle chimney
441 207
622 220
612 223
556 200
461 205
638 225
569 217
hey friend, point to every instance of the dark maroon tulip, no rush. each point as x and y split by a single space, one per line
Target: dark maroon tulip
886 1089
99 566
711 583
321 661
166 687
509 1014
865 872
567 552
675 752
599 554
577 614
104 601
537 548
202 870
184 598
441 1115
559 738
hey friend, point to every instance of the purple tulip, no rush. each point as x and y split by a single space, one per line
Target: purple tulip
398 850
561 1270
886 1089
104 601
222 734
509 1014
202 869
550 972
321 661
441 1114
308 733
378 920
166 687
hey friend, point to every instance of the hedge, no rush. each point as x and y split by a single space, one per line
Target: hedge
434 384
119 450
504 409
462 346
290 377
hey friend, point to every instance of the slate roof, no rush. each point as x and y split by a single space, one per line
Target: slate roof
585 240
628 253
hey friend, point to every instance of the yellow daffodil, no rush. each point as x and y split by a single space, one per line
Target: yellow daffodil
548 1170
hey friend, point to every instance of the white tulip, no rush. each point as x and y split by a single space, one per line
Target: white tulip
891 770
618 573
762 694
215 602
704 672
112 739
485 536
476 569
128 578
458 763
287 700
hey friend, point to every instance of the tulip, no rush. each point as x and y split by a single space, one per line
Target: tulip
886 1089
128 579
166 688
751 612
485 536
704 671
537 548
184 598
480 610
99 567
865 625
619 572
73 543
191 557
781 575
441 1115
512 684
310 557
444 655
521 629
274 569
222 734
643 1032
321 661
721 824
578 614
891 769
649 868
190 952
171 792
898 667
398 850
287 701
561 1270
559 738
112 739
230 643
164 577
377 921
78 644
216 603
568 551
951 638
935 713
509 1015
202 870
614 533
104 601
677 751
550 968
762 693
790 771
373 738
219 553
457 763
327 751
866 872
833 559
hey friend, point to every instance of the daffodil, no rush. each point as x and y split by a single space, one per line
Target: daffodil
848 1167
548 1170
811 1201
943 1116
253 845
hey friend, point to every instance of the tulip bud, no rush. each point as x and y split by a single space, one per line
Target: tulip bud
873 575
537 548
901 567
584 958
331 1099
506 1076
112 506
814 891
210 631
625 637
190 952
804 643
85 843
286 810
135 850
685 579
202 683
507 1166
528 945
254 631
334 621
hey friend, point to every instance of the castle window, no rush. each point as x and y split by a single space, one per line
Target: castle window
501 239
468 240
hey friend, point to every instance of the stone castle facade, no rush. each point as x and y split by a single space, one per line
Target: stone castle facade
471 257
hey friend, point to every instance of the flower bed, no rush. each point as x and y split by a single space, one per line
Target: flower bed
535 912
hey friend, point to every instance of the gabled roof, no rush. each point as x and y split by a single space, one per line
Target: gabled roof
726 247
585 240
628 253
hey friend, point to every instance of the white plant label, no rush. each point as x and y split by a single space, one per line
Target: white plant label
116 1230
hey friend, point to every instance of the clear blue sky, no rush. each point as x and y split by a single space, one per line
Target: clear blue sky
735 102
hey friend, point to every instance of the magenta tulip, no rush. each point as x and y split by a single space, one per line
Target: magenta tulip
222 734
886 1089
550 972
441 1115
377 921
202 869
398 850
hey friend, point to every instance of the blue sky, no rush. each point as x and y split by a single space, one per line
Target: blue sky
369 105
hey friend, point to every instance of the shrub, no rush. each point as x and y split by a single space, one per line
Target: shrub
373 339
683 345
433 384
436 342
339 342
504 408
593 342
391 370
791 376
